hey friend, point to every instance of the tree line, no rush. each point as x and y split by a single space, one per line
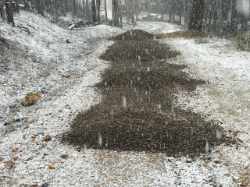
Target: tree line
217 16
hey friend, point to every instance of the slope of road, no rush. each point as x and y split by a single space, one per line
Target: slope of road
64 72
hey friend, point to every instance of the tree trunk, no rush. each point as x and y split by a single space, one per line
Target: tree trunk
234 25
115 14
40 7
10 12
197 14
93 7
98 7
106 11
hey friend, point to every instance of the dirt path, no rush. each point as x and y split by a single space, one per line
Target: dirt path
30 159
137 110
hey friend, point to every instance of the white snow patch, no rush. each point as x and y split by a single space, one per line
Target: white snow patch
226 96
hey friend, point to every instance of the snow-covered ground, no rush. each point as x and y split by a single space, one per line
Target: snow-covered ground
226 98
65 71
154 27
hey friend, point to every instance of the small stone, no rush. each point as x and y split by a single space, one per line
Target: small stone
47 138
67 76
78 149
33 138
217 162
6 124
64 156
40 131
45 185
189 161
44 155
15 158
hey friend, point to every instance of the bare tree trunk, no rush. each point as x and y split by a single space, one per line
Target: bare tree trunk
98 9
233 27
197 14
88 12
10 12
93 8
115 7
106 11
40 7
2 13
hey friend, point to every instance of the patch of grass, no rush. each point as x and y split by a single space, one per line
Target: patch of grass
182 34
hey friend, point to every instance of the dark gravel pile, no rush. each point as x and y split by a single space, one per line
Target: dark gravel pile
148 50
147 78
134 35
145 130
137 111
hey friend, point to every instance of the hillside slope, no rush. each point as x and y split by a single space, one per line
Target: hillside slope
39 54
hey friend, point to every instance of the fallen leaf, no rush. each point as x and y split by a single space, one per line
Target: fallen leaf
31 99
51 167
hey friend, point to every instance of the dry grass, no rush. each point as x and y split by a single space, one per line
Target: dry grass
182 34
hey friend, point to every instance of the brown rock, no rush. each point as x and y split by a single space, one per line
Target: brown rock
31 99
47 138
51 167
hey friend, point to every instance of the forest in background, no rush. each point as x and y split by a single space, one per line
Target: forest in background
213 16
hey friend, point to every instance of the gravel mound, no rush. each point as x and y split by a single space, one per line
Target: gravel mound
137 111
134 35
149 50
144 130
148 78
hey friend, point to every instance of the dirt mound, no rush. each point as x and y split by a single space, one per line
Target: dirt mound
148 78
138 50
142 130
134 35
137 111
